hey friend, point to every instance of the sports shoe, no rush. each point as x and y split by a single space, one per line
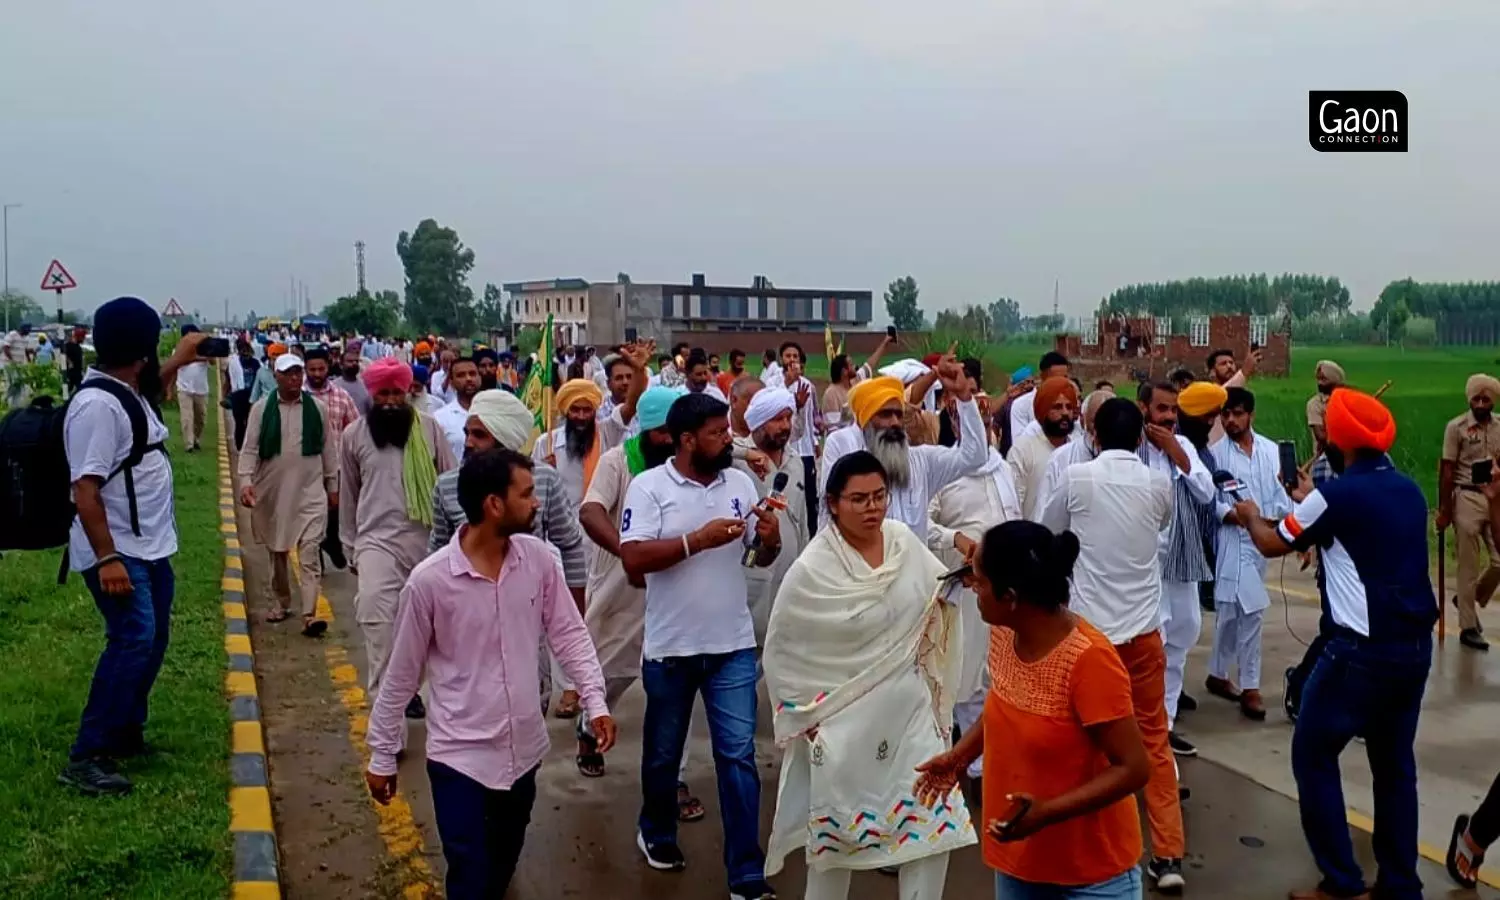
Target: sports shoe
661 856
1167 873
752 890
1181 746
94 777
1471 638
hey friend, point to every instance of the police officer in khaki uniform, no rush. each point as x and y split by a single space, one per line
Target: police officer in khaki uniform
1470 444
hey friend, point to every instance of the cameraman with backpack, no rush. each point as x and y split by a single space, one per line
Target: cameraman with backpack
125 533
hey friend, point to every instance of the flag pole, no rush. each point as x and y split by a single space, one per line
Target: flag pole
547 402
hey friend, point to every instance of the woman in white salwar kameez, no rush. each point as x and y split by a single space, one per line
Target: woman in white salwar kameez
861 661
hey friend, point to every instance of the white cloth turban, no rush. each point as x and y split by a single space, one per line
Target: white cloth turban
767 404
504 416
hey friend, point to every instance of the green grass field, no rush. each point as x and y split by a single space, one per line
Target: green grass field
1427 389
170 837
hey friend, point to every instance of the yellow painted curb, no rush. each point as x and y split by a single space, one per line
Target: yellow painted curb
249 809
234 610
246 738
234 584
238 643
240 684
256 890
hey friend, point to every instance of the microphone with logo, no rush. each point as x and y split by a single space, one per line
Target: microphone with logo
1230 485
774 501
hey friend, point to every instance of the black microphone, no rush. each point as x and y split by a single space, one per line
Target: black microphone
1230 485
775 501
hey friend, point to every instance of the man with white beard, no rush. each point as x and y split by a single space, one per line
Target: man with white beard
773 421
961 513
915 473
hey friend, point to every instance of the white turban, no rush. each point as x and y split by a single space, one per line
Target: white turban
905 370
767 404
504 416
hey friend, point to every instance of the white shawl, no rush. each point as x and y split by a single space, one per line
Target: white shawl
839 628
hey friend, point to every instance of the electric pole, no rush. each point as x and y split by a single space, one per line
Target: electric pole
359 265
1056 321
5 239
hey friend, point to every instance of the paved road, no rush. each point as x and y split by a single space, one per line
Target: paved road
1245 839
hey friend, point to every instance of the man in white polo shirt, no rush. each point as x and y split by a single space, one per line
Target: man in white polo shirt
684 530
192 398
1118 507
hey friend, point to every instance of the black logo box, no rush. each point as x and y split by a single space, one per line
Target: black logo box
1357 121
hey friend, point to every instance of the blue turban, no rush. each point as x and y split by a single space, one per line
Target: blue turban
420 373
126 330
1020 375
651 409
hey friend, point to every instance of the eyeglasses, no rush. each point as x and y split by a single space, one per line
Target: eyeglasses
866 501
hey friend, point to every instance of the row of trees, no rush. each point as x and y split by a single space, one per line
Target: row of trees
1298 296
1459 313
995 321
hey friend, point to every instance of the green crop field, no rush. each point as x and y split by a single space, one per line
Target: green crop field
1427 389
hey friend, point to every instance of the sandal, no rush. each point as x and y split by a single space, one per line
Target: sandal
312 627
590 761
689 808
278 615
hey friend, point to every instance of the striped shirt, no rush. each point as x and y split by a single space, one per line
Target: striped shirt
556 521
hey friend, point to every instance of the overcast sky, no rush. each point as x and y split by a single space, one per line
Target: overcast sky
211 150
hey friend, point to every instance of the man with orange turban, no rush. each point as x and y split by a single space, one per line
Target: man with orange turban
1055 406
1369 526
915 473
574 447
1470 443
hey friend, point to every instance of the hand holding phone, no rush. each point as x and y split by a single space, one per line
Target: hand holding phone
213 348
1290 475
1014 824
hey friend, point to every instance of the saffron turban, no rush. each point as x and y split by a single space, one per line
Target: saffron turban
1201 398
275 350
386 373
504 416
577 390
422 349
651 410
1357 421
1333 370
1482 384
1051 389
767 404
872 395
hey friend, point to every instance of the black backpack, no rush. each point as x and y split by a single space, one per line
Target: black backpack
36 502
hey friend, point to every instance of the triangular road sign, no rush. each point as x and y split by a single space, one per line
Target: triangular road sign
57 278
173 309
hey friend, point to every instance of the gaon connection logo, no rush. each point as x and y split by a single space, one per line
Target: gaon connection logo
1356 121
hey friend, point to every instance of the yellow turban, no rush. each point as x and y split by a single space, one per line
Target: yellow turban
1201 398
871 396
576 390
1482 384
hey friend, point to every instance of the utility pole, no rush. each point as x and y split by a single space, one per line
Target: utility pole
5 226
359 265
1056 322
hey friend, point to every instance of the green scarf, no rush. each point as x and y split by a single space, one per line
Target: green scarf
270 427
418 473
635 460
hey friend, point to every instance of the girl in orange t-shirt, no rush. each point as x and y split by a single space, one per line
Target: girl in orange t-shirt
1066 757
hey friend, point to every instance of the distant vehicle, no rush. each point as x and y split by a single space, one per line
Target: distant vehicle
311 327
271 323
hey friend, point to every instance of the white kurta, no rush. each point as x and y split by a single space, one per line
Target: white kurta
1240 569
1079 451
761 584
1028 460
932 468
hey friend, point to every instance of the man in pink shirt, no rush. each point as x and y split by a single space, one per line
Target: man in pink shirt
472 617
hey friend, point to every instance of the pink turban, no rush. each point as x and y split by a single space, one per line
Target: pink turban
387 373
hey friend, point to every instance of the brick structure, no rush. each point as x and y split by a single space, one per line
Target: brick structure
1125 349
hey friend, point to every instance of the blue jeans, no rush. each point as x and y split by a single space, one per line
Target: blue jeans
482 830
1125 886
1360 687
727 682
135 633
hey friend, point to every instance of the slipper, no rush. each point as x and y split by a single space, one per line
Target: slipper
278 615
314 628
590 762
689 808
1464 872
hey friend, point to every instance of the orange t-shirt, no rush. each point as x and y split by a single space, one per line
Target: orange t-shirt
1035 743
726 381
